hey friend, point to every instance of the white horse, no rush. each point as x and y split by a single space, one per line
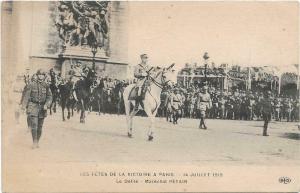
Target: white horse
159 77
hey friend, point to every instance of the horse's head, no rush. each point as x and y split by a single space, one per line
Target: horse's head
91 75
163 76
168 75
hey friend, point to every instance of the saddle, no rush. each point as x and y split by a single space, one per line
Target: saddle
133 95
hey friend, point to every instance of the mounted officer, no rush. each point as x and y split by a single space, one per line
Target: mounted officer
141 73
37 99
76 75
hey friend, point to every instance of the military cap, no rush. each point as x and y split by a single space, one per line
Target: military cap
40 72
144 56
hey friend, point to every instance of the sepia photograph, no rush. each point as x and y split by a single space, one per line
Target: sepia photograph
150 96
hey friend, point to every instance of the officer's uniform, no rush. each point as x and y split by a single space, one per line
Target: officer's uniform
140 73
176 101
36 96
266 104
203 103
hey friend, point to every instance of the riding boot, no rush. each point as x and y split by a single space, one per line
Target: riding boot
39 134
137 103
34 138
137 100
201 123
265 130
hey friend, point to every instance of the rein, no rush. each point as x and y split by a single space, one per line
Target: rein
160 85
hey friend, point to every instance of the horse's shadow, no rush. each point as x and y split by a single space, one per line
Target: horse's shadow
245 133
100 133
294 136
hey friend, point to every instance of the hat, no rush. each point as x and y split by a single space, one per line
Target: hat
40 72
144 56
64 7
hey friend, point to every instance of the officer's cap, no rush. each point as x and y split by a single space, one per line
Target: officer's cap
40 72
64 7
144 56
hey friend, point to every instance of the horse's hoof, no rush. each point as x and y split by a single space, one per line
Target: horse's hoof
150 138
64 119
129 135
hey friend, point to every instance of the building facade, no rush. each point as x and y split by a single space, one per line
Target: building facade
32 39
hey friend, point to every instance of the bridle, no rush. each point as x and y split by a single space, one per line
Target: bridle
160 85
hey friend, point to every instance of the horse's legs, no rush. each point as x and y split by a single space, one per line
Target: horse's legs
50 109
99 106
151 115
54 107
63 111
68 108
150 130
82 114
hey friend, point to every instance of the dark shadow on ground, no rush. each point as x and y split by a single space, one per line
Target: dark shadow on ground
97 132
244 133
294 136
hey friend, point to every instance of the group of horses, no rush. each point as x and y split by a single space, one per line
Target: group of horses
88 89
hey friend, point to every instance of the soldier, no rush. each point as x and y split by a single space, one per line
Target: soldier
76 75
222 109
176 103
167 104
277 106
37 99
203 104
141 73
266 104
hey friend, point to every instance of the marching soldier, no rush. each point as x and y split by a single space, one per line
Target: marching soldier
266 104
37 99
140 72
176 103
203 104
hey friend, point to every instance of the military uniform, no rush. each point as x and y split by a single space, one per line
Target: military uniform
141 73
36 96
176 101
266 104
203 103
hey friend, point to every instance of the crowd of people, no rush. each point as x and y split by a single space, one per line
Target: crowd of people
203 101
234 105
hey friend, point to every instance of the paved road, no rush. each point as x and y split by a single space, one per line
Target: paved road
103 139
